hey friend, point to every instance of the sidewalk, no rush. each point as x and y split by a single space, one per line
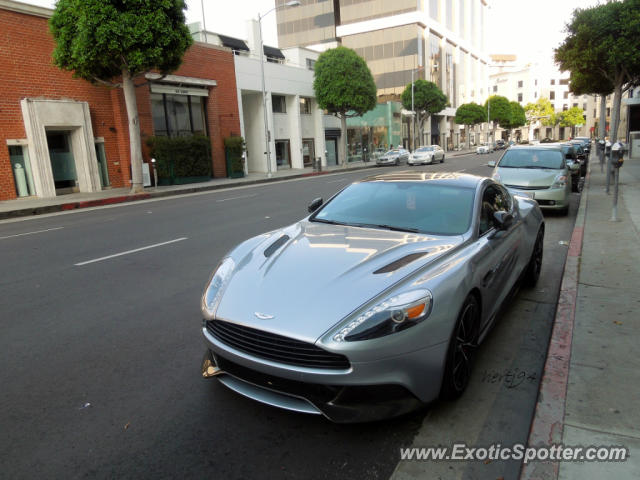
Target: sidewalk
590 391
22 207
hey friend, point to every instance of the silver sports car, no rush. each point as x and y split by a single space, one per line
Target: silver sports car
375 303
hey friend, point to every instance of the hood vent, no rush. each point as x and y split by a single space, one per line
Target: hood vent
401 262
271 249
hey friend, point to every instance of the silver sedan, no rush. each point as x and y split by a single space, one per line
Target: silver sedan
393 157
426 155
376 302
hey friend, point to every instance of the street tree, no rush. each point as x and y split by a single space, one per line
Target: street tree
570 118
344 87
498 109
469 114
605 39
517 119
540 110
592 83
428 100
113 43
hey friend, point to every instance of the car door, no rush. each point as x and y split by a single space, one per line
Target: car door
498 257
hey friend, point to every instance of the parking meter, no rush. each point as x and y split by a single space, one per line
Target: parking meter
618 150
600 146
607 148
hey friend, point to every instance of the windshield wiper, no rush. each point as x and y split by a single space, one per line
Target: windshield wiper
330 222
387 227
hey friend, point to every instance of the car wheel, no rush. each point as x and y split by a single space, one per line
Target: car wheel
461 352
565 211
534 266
442 161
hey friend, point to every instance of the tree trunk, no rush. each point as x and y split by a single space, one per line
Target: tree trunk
135 146
603 117
342 147
615 113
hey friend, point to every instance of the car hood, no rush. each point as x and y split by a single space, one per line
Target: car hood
528 177
319 275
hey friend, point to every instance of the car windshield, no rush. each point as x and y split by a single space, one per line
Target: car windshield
424 149
392 152
532 158
420 207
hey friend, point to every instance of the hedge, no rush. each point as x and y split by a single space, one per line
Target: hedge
181 156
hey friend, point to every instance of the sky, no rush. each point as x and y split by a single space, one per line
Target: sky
526 28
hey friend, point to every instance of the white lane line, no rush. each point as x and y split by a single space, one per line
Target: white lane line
236 198
129 251
340 180
463 170
31 233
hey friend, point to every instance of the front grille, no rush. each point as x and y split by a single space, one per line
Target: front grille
275 347
520 187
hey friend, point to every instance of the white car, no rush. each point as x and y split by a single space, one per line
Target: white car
426 155
484 148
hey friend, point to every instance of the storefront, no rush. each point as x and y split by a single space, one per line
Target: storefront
374 132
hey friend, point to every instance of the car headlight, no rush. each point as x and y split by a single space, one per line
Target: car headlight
560 181
213 293
394 314
496 176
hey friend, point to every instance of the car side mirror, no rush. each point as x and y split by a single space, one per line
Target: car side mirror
492 163
503 220
315 204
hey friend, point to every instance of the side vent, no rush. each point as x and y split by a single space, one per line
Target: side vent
401 262
271 249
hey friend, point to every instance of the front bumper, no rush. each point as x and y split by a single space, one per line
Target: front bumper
420 161
366 391
387 161
547 198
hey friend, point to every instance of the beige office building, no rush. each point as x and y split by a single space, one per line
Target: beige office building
439 40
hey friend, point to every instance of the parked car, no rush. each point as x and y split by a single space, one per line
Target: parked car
575 162
484 148
377 153
393 157
586 143
539 172
426 155
375 303
501 144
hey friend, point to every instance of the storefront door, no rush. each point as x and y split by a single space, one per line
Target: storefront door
62 162
332 148
308 152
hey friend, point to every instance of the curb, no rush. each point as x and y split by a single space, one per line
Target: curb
25 212
547 425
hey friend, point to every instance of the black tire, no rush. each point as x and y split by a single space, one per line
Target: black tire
442 161
461 352
532 272
565 211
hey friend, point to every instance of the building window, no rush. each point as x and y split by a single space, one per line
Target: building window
608 112
553 82
565 107
520 84
278 104
565 95
519 97
584 107
553 106
495 88
311 64
535 94
21 167
536 82
594 113
305 105
564 81
575 105
552 95
178 115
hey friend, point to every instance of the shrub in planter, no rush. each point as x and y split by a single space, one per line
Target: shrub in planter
181 157
234 148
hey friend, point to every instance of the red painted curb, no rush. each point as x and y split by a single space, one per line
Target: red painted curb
104 201
547 426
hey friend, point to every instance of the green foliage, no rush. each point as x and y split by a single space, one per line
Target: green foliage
500 110
572 117
235 148
343 83
518 117
602 43
427 97
99 39
181 156
470 114
541 110
581 83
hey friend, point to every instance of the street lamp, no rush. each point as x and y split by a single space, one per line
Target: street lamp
292 3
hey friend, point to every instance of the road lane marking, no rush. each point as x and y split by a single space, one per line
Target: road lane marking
31 233
236 198
340 180
129 251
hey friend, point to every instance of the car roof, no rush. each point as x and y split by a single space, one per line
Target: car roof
543 146
462 180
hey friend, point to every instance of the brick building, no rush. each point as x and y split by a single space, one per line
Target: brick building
59 134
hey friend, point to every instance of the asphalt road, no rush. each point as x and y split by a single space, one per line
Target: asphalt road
100 356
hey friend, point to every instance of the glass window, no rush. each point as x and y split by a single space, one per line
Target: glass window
552 95
553 82
412 206
532 158
565 95
21 168
305 105
519 97
564 81
520 84
278 104
178 115
311 64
